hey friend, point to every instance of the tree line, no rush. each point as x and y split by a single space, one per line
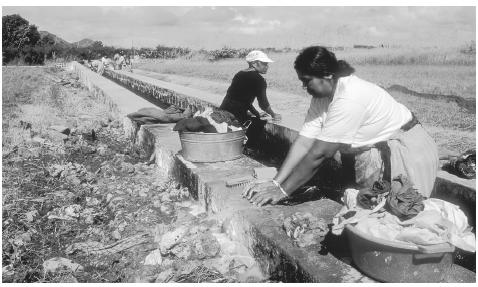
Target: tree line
23 44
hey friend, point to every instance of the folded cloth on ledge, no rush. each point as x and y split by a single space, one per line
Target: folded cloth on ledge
147 116
197 124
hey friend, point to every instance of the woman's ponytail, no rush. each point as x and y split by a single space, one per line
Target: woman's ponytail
320 62
344 69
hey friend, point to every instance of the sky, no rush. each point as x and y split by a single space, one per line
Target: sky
254 26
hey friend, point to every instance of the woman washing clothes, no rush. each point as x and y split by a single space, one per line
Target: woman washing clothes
246 86
355 117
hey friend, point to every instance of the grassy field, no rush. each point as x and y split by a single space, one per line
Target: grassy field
432 71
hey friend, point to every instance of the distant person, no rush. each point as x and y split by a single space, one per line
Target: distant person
246 86
120 62
381 136
98 66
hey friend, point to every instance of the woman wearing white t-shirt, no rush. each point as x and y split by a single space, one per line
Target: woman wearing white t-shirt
353 116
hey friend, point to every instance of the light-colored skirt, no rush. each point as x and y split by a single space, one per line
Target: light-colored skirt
413 153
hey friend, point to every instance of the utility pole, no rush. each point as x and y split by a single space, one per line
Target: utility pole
131 60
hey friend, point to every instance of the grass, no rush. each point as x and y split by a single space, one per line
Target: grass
428 75
29 96
431 71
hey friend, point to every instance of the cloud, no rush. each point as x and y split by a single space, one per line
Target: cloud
213 27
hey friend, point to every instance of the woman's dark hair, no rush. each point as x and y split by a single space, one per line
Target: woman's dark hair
319 62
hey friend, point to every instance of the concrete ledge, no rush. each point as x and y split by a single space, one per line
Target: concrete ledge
120 100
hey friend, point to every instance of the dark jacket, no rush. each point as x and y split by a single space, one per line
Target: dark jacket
245 87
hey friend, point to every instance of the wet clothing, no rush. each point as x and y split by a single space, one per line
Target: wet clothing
245 87
146 116
404 201
380 135
369 197
197 124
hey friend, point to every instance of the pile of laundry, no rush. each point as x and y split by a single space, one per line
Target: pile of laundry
397 212
305 229
209 121
463 165
172 114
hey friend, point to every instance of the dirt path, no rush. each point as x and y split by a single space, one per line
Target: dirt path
86 206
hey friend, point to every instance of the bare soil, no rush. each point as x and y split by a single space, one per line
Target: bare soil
93 199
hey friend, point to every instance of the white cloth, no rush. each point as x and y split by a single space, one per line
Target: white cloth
360 114
350 198
220 127
460 236
439 222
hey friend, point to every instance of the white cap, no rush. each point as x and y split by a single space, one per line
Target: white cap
258 56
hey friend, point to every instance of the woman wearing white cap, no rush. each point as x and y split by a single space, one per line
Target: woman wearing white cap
356 117
246 86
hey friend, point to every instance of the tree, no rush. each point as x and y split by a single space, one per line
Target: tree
47 41
18 33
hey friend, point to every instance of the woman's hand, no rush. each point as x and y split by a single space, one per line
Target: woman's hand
276 117
261 193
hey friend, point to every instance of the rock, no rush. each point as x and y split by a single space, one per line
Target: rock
127 167
170 239
71 212
143 192
206 246
7 272
31 215
23 152
153 258
102 150
56 137
92 201
167 209
61 129
164 197
221 264
182 250
165 276
116 234
67 278
90 219
167 262
122 226
116 124
38 140
73 179
22 239
158 232
196 210
56 264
